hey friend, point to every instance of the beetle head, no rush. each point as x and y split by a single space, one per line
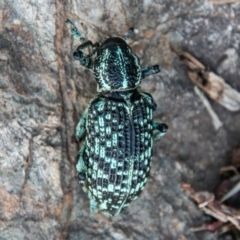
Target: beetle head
116 67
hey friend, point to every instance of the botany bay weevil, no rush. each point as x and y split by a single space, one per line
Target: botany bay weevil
117 127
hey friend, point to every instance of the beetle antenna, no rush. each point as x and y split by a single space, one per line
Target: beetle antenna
75 32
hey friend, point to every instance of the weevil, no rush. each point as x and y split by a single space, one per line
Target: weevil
117 127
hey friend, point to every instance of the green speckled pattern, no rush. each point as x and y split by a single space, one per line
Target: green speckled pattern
117 156
116 67
117 127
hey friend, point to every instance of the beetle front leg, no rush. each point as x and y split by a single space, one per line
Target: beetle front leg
150 70
161 128
81 127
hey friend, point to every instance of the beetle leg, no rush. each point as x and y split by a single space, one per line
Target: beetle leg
161 127
129 34
81 127
74 31
81 168
150 70
93 207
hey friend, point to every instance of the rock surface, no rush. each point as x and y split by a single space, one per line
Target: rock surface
43 92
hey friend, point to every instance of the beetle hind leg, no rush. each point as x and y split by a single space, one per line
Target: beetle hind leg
81 168
81 126
161 128
93 207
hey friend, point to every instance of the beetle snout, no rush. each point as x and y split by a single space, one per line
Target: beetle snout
83 59
76 55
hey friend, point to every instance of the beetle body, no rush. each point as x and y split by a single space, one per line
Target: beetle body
117 127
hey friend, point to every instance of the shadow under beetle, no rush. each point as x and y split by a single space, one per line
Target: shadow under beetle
117 126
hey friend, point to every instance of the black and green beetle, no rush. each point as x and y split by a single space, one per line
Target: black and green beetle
117 127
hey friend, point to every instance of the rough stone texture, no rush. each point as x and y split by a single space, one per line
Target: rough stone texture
43 92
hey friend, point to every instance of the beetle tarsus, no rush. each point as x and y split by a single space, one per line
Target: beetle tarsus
129 34
150 70
161 128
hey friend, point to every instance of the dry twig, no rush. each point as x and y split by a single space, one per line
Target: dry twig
215 119
219 2
209 82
